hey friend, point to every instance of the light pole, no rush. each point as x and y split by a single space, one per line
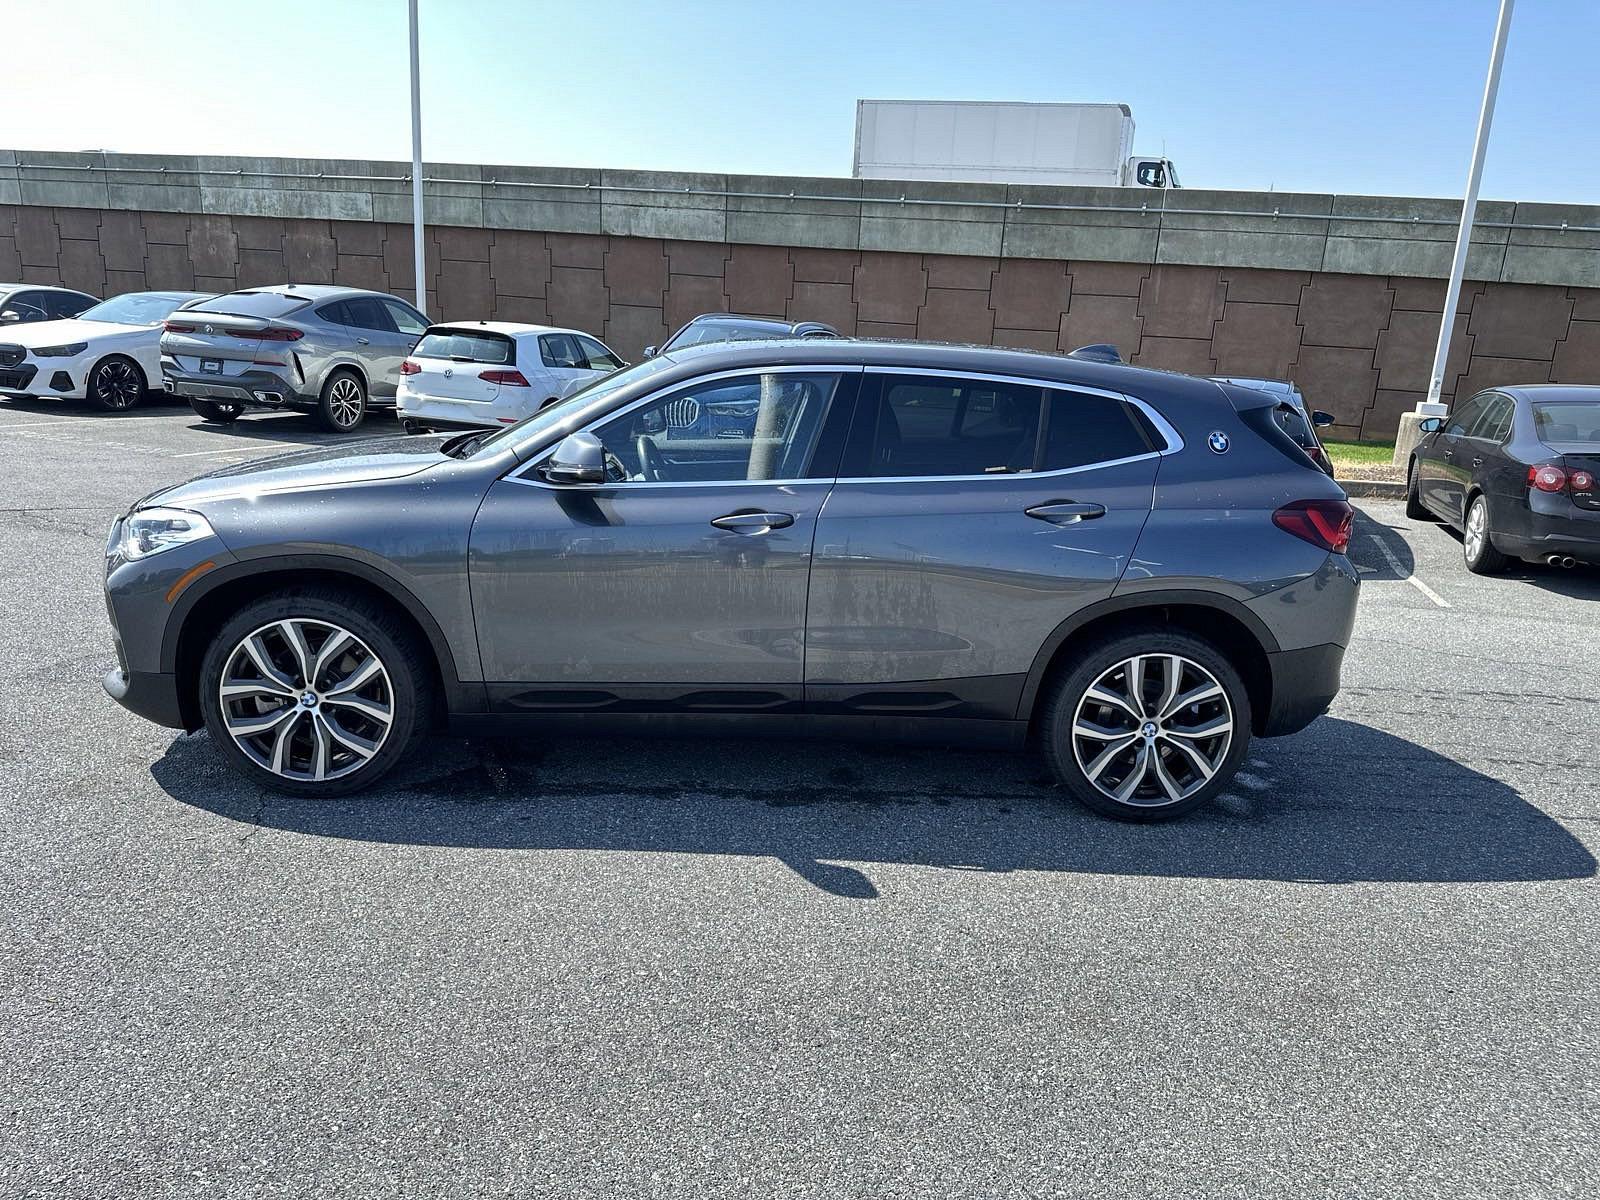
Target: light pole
416 167
1432 406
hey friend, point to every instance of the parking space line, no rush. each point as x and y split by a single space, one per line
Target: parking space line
1411 579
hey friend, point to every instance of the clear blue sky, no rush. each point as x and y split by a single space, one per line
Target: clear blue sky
1299 95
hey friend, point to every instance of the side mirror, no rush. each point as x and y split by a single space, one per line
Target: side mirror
579 458
649 352
1321 419
10 316
1430 424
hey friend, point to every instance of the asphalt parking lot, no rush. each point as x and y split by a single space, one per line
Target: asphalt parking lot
719 969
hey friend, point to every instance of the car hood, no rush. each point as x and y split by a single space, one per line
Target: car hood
346 464
61 333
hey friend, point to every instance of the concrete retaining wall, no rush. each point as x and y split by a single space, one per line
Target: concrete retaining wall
1338 293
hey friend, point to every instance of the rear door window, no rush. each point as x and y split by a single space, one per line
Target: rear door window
1083 428
560 350
463 345
367 313
1465 416
942 426
1495 422
335 313
598 357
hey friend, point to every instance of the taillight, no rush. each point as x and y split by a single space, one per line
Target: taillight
508 378
1580 481
1548 477
409 368
1324 523
177 327
269 335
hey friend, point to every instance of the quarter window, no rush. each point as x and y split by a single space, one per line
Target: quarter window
934 426
367 313
599 358
405 318
335 314
749 428
1496 420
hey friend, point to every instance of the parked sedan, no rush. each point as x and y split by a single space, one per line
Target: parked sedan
953 543
24 303
1514 469
731 327
108 354
333 351
491 373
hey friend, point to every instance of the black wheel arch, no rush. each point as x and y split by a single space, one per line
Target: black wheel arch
206 605
1220 620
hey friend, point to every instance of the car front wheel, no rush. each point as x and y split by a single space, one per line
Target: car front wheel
1148 725
309 692
116 384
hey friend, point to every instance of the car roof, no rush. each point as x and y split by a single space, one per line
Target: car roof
509 328
309 291
750 319
938 356
1549 391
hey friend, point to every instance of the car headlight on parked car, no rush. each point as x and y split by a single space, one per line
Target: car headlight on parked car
67 351
152 530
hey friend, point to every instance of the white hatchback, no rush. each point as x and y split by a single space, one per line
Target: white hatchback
484 374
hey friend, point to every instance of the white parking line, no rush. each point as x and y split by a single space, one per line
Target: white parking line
1411 579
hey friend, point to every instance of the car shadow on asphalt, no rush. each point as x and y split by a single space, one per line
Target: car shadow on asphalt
1339 803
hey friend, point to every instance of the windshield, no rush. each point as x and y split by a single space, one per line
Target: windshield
726 331
1567 420
554 415
138 308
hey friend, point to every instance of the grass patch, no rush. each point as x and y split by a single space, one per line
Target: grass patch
1359 454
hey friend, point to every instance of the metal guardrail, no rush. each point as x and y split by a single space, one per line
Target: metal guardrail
722 193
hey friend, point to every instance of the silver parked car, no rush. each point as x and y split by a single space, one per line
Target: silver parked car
334 351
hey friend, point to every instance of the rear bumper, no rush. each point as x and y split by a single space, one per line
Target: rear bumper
1304 683
258 389
1577 535
149 694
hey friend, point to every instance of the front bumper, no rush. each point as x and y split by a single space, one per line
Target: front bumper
257 389
1304 683
152 695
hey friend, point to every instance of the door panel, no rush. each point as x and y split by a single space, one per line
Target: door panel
915 580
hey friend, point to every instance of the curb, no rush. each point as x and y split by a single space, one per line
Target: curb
1372 489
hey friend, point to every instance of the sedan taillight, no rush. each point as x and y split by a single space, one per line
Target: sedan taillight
410 368
1553 477
508 378
1325 523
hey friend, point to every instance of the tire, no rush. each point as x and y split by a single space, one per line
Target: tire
1477 547
1176 780
1415 509
115 384
347 736
218 412
343 405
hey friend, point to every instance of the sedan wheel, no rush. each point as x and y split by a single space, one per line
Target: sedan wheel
116 384
1148 726
1476 546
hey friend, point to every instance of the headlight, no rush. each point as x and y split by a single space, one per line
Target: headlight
152 530
67 351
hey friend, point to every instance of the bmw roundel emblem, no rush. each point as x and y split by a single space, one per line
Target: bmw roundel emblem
209 329
1218 441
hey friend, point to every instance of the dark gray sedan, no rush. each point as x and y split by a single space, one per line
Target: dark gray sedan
1514 469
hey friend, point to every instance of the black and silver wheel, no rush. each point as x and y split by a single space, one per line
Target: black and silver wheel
344 402
115 384
1415 509
218 412
1477 546
1148 726
309 693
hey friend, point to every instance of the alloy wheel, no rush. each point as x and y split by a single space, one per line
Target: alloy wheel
306 699
116 384
1477 530
1152 730
344 402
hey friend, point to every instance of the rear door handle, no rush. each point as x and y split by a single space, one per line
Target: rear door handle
1065 512
753 522
1449 454
1478 462
361 341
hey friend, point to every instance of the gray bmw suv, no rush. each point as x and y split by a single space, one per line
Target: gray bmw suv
334 351
1136 571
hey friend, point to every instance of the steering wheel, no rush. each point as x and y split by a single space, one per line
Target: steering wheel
651 465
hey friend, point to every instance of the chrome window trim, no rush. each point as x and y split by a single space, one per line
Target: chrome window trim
1164 427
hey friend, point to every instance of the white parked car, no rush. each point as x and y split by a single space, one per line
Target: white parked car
108 353
484 374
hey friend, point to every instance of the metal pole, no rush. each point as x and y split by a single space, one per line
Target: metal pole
1432 406
416 167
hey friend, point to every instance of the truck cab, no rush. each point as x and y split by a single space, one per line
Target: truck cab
1151 173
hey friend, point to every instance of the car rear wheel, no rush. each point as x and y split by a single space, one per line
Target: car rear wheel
1415 509
116 383
344 402
1477 547
218 412
314 692
1148 725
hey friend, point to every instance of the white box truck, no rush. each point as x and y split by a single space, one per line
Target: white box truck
982 141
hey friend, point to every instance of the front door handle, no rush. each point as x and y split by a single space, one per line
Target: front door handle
754 522
1449 454
1478 462
1065 512
361 341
